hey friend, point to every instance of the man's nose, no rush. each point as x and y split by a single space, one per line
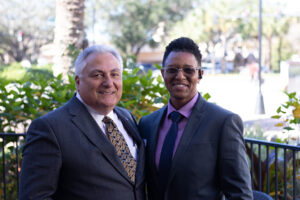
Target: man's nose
108 81
180 74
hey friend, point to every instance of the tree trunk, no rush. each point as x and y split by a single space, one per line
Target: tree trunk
279 51
69 33
213 59
270 53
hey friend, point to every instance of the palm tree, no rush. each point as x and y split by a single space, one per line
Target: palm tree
69 34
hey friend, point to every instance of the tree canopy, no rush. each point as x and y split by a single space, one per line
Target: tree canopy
232 25
132 24
24 29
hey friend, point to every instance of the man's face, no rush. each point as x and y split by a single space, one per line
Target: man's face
100 82
181 86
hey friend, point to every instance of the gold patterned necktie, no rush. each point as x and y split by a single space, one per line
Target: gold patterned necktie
121 147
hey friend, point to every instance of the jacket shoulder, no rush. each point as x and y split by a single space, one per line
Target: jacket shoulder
124 112
57 113
149 122
62 113
152 116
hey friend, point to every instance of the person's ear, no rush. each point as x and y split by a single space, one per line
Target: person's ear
77 80
162 71
200 73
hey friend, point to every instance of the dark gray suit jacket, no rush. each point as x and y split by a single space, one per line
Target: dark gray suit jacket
67 157
210 160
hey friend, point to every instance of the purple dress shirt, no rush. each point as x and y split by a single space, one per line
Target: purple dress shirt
186 111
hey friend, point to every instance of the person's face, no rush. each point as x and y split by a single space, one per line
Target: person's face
100 82
181 86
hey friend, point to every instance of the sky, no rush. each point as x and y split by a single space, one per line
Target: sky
290 7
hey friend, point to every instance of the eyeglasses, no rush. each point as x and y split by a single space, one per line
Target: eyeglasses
188 71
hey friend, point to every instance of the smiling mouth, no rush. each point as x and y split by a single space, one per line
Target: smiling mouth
103 92
180 85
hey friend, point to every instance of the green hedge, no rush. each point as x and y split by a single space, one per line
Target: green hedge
36 92
27 93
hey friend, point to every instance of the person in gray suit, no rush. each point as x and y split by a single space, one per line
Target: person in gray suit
89 148
194 149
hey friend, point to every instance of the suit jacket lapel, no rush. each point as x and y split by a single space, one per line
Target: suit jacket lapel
190 130
152 140
128 124
88 126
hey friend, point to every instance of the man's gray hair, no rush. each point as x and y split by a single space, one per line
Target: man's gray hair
80 62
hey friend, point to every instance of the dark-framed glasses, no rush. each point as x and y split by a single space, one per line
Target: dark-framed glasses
188 71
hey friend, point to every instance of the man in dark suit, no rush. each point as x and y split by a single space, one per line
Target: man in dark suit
195 149
89 148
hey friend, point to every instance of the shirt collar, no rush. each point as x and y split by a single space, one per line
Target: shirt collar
186 110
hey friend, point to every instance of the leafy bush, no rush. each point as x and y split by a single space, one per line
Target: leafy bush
12 165
15 72
143 91
20 101
36 92
289 112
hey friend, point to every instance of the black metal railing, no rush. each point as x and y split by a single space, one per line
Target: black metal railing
10 163
274 168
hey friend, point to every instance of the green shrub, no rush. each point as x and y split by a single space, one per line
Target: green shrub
289 112
27 93
12 166
143 92
20 101
15 72
35 92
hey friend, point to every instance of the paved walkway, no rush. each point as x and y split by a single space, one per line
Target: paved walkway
238 93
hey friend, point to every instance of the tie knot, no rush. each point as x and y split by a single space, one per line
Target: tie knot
107 120
175 116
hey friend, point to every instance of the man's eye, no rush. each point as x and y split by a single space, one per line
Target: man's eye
189 70
98 75
115 74
172 70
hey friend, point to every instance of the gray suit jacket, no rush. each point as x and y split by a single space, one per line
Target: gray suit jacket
210 160
67 157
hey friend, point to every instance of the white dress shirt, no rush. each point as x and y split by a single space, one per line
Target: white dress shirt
98 118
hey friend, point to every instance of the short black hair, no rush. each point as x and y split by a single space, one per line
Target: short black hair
183 44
